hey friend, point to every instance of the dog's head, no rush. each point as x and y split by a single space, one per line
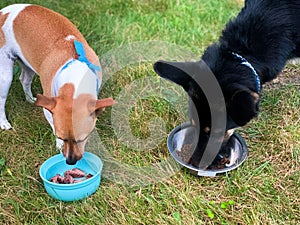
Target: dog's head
73 119
240 101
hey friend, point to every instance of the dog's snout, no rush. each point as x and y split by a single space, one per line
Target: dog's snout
72 153
71 160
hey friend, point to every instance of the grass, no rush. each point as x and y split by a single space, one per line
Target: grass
141 184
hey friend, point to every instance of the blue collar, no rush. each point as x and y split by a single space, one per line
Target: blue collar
246 63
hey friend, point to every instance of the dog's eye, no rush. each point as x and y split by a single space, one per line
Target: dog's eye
58 137
80 141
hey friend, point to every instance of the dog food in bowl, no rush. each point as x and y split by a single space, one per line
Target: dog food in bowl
220 162
65 184
70 176
181 145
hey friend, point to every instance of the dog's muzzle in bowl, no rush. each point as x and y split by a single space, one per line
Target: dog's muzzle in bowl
182 143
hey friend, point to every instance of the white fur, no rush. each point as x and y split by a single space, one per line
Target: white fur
229 132
8 53
14 8
11 47
79 74
70 37
49 118
76 72
83 79
6 76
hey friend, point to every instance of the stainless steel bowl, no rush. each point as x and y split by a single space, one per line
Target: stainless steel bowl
185 135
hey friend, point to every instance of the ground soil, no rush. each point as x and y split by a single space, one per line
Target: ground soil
289 76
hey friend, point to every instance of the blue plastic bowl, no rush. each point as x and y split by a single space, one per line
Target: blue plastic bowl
89 163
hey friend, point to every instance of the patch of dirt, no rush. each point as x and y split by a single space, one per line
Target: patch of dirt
289 76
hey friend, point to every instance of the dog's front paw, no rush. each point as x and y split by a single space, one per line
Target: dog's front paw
4 124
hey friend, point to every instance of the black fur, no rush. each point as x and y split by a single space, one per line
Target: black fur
266 33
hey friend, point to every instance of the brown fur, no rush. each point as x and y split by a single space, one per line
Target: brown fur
47 30
41 35
2 21
73 119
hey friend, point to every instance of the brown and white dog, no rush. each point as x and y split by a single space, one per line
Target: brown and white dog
48 44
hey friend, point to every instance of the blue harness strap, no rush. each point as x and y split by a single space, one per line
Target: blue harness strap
79 48
82 57
246 63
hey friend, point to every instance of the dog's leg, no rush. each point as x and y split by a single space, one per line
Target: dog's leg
26 78
48 115
6 76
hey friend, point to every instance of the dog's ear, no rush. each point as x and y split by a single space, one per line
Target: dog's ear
173 71
242 104
48 103
98 106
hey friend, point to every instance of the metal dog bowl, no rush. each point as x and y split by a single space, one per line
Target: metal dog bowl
181 145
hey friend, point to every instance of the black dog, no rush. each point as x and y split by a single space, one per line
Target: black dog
253 49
